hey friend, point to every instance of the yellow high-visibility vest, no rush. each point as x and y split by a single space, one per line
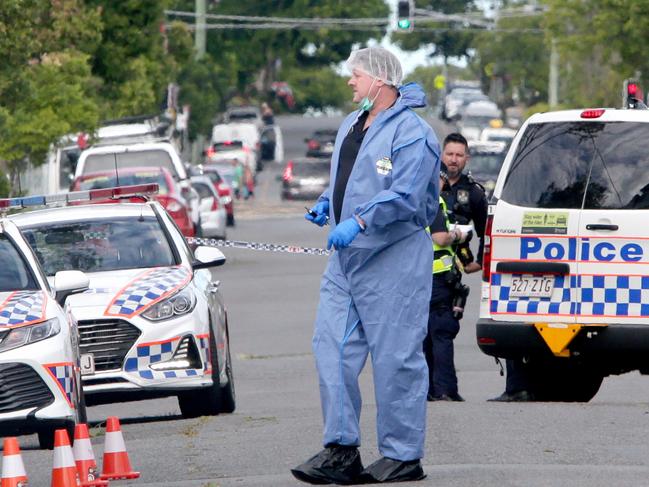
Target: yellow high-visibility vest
443 255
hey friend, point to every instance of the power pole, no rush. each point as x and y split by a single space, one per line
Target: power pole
553 78
200 34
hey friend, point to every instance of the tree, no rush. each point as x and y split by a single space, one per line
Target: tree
515 56
130 59
46 87
318 87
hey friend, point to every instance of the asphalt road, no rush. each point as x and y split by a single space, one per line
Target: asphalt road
272 299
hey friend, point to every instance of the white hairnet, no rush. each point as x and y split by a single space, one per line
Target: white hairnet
378 62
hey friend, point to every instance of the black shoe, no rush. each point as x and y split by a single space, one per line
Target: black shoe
336 464
520 396
389 470
445 397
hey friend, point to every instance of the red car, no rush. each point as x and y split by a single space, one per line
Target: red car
222 186
169 194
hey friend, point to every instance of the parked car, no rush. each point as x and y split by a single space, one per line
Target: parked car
305 178
485 161
153 322
168 195
213 215
321 143
223 186
565 271
246 133
232 149
476 116
244 114
149 154
272 143
39 343
498 134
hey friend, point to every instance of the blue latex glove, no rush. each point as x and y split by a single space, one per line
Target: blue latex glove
343 234
322 212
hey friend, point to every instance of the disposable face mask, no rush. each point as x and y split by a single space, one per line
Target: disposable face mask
365 105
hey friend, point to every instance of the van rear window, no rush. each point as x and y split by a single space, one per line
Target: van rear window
590 165
144 158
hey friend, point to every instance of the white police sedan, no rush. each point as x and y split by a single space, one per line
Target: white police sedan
39 351
152 322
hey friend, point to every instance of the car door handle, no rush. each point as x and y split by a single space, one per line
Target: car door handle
213 287
601 226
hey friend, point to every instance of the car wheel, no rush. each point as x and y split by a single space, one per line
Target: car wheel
46 436
212 400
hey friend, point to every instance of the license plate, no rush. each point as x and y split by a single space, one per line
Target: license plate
531 287
87 364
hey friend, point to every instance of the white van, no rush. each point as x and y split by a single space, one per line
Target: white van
566 260
148 154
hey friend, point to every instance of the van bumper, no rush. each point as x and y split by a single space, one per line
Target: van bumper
507 339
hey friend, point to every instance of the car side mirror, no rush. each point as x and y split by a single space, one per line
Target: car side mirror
67 283
205 257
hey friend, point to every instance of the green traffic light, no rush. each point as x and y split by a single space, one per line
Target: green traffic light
403 24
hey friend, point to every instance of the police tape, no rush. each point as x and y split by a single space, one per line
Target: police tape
268 247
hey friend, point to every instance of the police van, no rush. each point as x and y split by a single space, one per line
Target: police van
566 260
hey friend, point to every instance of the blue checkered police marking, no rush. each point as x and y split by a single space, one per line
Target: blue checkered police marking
614 296
63 373
147 289
593 295
150 353
23 307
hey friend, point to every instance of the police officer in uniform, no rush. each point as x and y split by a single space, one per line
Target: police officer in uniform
465 198
446 304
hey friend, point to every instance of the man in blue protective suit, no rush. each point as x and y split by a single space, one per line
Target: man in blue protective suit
376 288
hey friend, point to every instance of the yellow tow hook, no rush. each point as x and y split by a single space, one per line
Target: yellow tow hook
558 336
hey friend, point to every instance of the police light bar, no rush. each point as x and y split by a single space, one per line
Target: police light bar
80 196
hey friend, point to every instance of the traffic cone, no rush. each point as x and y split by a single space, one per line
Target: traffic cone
116 462
13 469
64 471
85 458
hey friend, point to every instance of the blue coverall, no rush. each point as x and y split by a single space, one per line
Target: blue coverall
374 295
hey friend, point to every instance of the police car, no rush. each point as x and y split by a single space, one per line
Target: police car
40 387
152 322
566 262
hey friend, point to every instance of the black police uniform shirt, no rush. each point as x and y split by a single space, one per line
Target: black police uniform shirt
466 201
348 153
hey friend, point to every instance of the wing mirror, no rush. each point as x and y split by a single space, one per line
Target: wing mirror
205 257
67 283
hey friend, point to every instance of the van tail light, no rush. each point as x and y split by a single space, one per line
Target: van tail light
215 204
288 172
313 145
594 113
486 256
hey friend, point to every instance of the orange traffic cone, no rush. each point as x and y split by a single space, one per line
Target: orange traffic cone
116 462
64 471
85 458
13 469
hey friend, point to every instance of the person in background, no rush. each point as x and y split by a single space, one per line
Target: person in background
375 290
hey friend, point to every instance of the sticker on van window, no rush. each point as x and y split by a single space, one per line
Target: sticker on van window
542 222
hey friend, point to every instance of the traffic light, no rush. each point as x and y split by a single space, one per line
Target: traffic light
405 9
632 94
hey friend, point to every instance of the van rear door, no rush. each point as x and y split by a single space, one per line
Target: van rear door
614 230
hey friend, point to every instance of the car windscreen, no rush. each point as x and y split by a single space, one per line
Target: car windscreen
145 158
311 168
15 274
203 190
591 165
125 179
486 162
100 245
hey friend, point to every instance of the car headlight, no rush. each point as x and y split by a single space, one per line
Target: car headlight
25 335
177 305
